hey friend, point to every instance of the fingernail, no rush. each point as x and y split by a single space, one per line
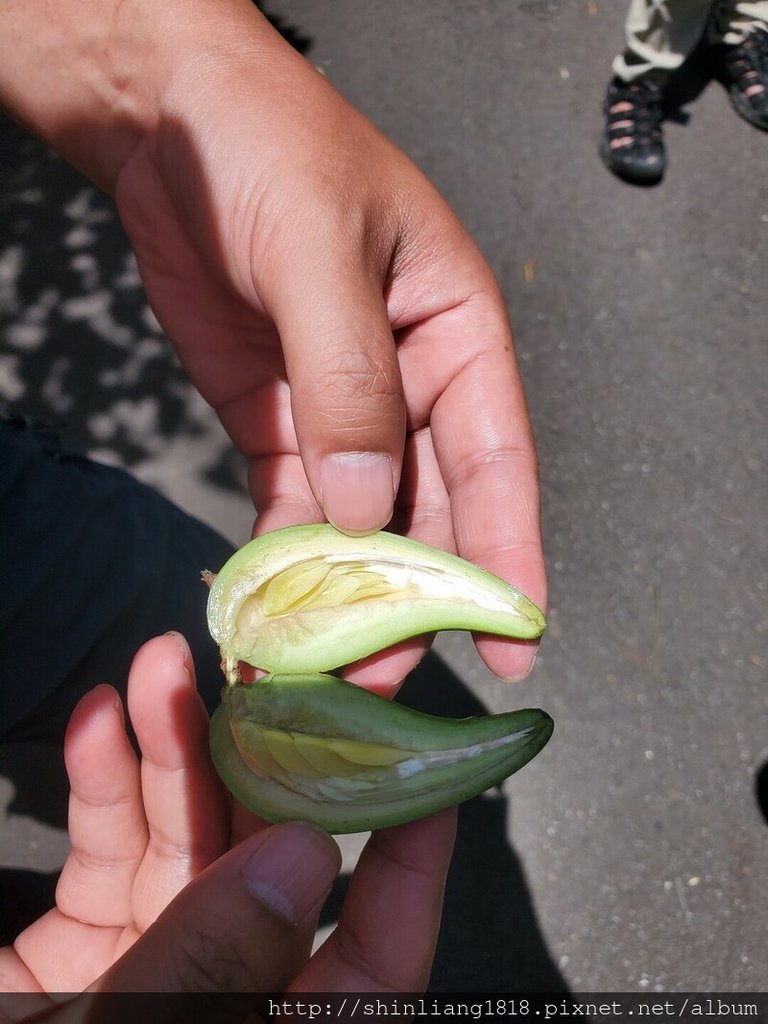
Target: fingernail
292 870
357 490
186 654
518 677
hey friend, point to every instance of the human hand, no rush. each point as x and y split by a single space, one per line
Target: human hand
329 305
168 888
320 293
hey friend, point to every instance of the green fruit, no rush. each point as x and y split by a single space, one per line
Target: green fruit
318 749
310 599
298 744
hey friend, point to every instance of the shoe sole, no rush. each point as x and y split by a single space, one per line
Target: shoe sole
743 108
649 177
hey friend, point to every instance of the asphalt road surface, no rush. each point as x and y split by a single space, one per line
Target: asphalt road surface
631 855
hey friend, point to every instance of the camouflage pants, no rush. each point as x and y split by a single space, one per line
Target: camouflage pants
660 34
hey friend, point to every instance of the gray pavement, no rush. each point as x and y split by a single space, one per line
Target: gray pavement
631 855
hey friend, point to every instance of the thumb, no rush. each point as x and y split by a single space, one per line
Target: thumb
245 924
346 391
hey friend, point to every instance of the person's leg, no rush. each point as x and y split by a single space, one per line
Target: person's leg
734 20
659 37
93 564
739 34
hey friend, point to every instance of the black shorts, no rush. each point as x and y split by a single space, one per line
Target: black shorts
92 564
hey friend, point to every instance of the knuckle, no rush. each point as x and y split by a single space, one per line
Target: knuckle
355 383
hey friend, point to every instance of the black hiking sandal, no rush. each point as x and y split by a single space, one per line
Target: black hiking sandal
642 160
744 67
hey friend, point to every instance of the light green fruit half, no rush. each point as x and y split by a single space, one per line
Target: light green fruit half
309 599
314 748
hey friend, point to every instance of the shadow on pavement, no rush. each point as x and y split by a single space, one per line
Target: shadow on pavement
82 352
687 84
761 790
290 33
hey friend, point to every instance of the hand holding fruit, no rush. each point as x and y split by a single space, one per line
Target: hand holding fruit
171 888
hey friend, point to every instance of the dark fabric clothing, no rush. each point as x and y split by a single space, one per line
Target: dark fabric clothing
92 564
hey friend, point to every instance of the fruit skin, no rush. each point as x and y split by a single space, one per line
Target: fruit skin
400 588
401 768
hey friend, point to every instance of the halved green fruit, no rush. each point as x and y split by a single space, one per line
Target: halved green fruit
299 744
310 599
318 749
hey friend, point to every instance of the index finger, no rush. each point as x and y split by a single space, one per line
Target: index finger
186 811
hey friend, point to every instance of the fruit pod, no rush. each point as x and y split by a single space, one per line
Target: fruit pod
308 599
318 749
